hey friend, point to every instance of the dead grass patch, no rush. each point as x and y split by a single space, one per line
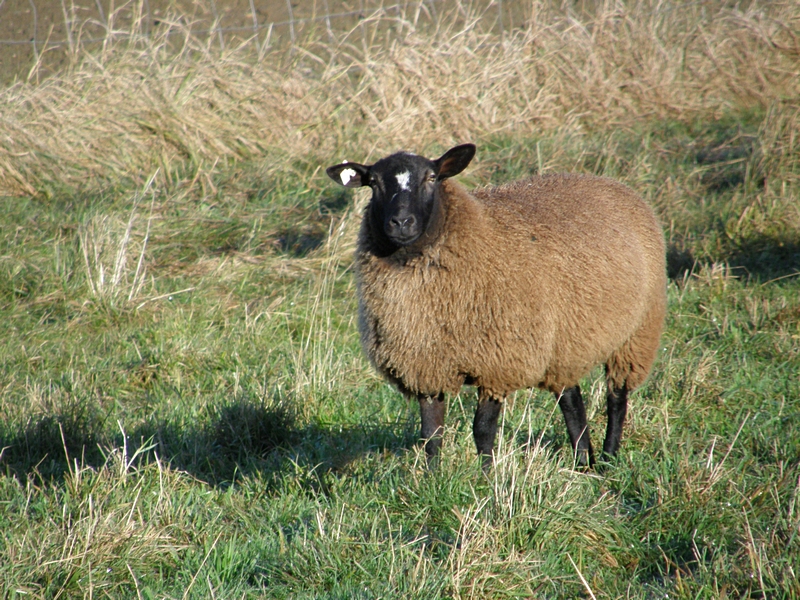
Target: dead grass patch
396 80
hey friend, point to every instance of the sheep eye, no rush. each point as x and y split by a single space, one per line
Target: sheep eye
432 178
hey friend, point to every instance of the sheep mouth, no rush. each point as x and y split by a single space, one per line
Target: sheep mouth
403 239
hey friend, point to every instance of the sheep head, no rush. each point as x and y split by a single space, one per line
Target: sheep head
405 207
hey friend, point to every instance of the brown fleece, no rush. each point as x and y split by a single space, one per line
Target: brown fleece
532 283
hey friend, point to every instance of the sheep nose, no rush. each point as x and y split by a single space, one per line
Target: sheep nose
403 223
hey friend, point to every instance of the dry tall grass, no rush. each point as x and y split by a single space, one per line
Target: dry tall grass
179 103
114 271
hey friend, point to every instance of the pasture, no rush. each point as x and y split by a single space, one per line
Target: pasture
185 408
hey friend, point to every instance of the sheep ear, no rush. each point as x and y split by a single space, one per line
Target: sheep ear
349 174
454 160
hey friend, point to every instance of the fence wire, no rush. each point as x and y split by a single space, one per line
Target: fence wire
292 23
506 15
29 29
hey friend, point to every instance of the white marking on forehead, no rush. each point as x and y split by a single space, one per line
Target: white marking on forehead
347 175
403 179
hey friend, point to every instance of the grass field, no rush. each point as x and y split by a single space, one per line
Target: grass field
185 409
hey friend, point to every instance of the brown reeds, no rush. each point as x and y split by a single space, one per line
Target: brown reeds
175 102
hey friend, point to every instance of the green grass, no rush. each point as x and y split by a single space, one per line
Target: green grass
220 434
186 411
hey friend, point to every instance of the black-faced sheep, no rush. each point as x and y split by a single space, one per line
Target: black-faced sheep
529 284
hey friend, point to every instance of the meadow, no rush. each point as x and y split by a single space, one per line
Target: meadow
185 408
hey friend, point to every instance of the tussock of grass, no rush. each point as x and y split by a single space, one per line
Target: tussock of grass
185 410
98 532
110 256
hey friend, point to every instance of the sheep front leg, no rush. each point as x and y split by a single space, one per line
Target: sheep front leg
484 428
574 411
617 407
431 410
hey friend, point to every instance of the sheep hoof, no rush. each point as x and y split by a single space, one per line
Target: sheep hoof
584 461
432 463
605 463
487 462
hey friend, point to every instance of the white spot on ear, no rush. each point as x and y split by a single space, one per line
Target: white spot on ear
403 179
347 175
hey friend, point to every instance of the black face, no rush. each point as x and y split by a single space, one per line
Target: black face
404 191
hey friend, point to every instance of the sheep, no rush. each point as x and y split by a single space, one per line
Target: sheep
529 284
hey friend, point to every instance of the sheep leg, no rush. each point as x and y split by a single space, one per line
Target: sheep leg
617 407
484 428
574 411
431 410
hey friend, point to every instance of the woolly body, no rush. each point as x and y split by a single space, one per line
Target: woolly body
528 284
531 283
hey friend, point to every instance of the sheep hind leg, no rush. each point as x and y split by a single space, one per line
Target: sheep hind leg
571 404
617 408
484 428
431 410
